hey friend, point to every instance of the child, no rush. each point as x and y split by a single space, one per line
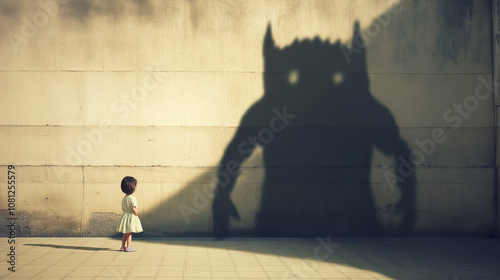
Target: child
129 221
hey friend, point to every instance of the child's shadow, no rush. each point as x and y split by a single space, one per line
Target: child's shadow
72 247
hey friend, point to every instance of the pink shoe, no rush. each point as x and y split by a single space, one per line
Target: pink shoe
122 249
130 249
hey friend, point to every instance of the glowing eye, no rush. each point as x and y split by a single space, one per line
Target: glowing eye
337 78
293 76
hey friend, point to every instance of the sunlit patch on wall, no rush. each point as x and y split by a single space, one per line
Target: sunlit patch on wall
293 77
338 78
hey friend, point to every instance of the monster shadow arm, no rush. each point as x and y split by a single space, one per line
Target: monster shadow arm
391 144
239 149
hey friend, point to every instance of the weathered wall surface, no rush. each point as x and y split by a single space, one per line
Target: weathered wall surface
496 73
93 91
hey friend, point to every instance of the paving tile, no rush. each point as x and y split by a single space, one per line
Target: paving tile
57 266
115 271
222 268
307 274
143 271
129 263
225 274
52 273
358 275
27 271
94 262
170 273
77 278
252 274
149 262
275 267
249 268
172 263
256 258
279 274
86 271
172 267
198 268
197 274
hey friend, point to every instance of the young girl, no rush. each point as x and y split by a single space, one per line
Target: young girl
129 221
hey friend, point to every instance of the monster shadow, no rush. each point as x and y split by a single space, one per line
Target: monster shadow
318 126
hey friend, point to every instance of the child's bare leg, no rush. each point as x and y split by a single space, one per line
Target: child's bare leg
124 238
129 239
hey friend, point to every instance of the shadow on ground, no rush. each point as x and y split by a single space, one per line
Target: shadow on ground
71 247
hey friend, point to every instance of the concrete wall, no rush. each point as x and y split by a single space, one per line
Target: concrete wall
92 91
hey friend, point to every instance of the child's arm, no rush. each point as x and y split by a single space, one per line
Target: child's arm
134 209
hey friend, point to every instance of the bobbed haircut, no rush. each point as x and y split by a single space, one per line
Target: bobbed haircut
128 185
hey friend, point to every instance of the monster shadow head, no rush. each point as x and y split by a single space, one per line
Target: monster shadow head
307 73
318 126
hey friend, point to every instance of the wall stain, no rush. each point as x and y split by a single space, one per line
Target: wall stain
42 224
102 224
455 29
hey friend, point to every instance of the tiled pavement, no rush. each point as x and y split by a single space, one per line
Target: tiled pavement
254 258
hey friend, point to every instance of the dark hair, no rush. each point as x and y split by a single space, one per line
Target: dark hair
128 185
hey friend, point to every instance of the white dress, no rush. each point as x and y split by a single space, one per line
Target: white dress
128 221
